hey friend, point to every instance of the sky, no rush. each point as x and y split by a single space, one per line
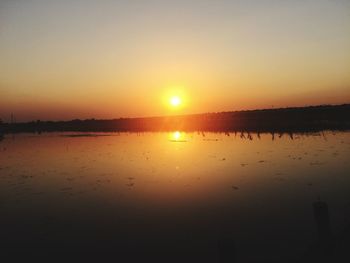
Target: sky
63 60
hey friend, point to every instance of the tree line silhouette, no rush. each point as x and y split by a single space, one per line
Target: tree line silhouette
282 120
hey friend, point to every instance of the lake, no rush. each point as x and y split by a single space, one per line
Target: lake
173 196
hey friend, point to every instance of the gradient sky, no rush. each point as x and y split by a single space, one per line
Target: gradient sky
109 59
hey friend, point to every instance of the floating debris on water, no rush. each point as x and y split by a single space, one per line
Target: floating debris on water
66 189
278 178
317 163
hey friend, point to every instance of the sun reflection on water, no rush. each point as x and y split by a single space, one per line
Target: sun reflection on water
177 136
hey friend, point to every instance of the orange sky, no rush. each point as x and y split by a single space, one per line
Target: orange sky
110 59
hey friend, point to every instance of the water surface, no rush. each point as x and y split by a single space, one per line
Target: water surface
172 196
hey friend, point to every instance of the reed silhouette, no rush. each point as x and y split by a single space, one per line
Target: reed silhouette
1 135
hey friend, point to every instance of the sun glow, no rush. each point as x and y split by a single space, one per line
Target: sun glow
175 101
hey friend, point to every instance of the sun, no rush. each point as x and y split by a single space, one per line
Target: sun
175 101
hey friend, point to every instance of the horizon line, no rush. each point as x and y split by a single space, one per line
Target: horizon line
183 115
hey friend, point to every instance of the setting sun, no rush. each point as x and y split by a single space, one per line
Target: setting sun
175 101
175 98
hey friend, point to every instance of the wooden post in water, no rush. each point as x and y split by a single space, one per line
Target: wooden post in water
321 215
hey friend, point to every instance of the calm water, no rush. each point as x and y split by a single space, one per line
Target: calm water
172 196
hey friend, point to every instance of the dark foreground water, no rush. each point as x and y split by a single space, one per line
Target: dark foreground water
173 197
